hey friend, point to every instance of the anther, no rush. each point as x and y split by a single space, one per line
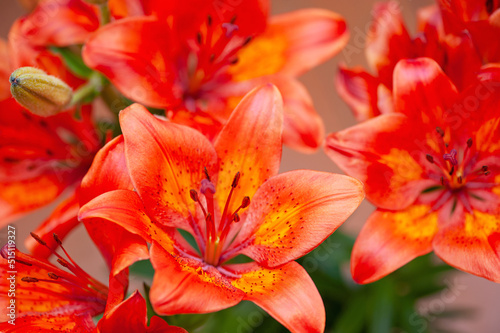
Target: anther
452 170
487 173
199 37
442 181
53 276
206 173
37 238
57 239
440 131
460 180
484 168
63 262
429 158
469 142
236 218
245 202
29 279
194 195
236 180
233 19
234 61
247 41
209 20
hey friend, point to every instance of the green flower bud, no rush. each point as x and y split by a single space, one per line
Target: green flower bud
42 94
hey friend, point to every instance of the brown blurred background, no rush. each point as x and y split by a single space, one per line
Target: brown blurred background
465 290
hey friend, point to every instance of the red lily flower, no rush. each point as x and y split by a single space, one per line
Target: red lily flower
432 169
36 294
198 64
229 198
480 19
389 41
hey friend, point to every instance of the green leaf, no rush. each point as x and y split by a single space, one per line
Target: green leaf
73 61
353 316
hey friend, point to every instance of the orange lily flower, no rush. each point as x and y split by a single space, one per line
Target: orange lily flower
48 297
229 197
38 295
388 41
197 60
432 169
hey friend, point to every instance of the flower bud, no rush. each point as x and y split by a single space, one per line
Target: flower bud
42 94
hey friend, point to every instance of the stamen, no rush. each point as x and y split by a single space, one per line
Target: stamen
194 195
236 218
63 262
209 20
469 143
199 38
236 180
38 239
53 276
206 174
233 19
29 279
440 131
429 158
452 170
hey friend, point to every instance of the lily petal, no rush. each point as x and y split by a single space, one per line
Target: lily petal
165 162
287 293
473 245
377 152
119 51
292 44
130 317
358 89
388 40
184 285
391 239
294 212
250 143
423 91
60 23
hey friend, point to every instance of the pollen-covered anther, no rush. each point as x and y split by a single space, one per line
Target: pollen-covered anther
440 131
29 279
38 239
194 195
53 276
429 158
63 262
236 218
236 179
57 239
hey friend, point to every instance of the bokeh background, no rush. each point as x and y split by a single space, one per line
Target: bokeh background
463 290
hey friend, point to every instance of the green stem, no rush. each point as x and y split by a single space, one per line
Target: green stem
105 14
89 90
